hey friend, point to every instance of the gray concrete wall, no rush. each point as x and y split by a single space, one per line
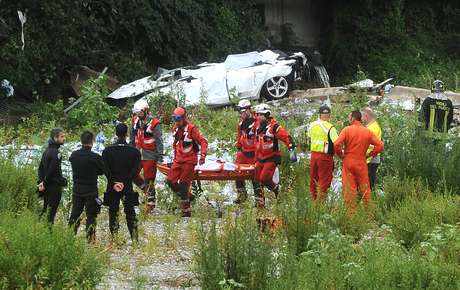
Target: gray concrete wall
299 13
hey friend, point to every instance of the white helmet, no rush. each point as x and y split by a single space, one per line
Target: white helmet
140 105
263 109
244 104
438 86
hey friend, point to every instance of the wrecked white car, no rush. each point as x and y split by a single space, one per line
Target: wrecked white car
253 75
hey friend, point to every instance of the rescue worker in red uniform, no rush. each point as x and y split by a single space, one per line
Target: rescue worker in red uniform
268 153
246 146
148 139
356 139
188 142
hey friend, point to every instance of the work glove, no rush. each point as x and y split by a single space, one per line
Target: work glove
292 155
202 160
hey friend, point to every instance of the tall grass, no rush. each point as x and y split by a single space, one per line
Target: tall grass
34 257
18 189
416 217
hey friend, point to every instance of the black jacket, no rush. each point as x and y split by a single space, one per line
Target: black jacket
437 114
86 166
122 164
49 170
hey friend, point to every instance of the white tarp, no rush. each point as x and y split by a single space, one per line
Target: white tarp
213 164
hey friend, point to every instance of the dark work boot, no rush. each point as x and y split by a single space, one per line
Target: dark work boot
259 197
150 195
242 194
186 208
276 190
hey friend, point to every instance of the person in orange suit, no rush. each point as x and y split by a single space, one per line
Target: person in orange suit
356 139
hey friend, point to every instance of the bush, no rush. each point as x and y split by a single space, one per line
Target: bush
397 190
385 264
243 256
92 111
131 40
334 262
33 256
396 38
208 258
409 154
416 217
18 187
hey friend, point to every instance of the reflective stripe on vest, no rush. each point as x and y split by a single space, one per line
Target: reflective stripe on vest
142 141
267 140
179 144
247 137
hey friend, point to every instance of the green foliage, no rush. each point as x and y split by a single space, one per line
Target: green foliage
32 256
415 217
243 259
18 188
408 153
209 261
162 106
330 259
132 40
92 111
397 38
397 190
442 244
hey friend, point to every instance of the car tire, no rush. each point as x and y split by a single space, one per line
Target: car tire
276 88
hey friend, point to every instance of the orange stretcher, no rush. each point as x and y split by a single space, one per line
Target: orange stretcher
242 172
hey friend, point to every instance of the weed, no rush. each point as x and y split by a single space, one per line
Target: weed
32 255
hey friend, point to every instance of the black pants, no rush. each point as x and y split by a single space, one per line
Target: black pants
89 204
372 172
242 193
51 199
130 213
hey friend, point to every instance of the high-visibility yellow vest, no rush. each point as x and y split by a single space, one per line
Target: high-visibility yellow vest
374 127
318 132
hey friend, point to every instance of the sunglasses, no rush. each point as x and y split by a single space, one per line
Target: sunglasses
177 118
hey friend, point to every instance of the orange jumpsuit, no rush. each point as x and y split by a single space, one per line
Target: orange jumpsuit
356 139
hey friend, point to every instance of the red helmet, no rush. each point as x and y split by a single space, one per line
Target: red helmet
179 113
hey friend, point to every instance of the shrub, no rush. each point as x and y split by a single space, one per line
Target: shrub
92 111
442 245
416 217
18 188
208 257
385 264
33 256
242 255
397 190
334 262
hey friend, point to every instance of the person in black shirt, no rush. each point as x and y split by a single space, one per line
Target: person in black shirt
86 166
122 164
50 179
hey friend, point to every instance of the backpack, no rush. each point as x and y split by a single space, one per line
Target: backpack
330 144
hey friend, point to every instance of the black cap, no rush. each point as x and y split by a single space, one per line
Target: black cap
324 109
